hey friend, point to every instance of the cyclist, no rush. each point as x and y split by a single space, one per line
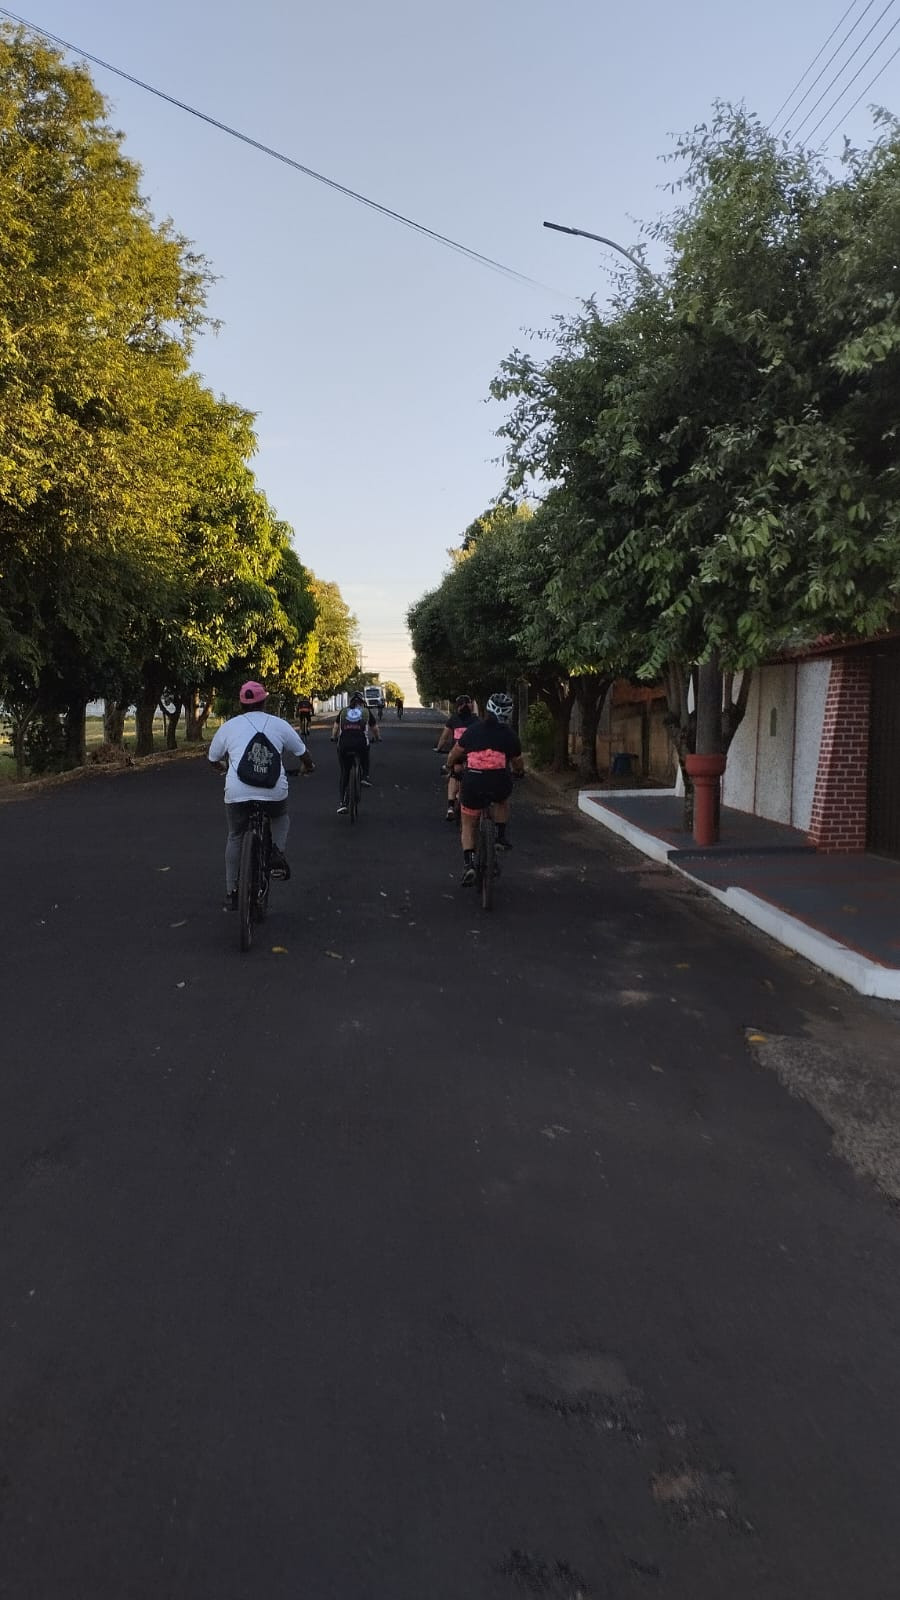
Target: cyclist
304 713
234 739
399 705
451 733
490 749
353 729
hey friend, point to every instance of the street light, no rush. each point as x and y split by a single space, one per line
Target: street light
559 227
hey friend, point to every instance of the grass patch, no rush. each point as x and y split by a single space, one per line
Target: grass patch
94 737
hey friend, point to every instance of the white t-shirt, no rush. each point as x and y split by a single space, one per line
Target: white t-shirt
232 739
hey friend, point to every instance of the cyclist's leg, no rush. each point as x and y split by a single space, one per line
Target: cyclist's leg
345 758
236 815
279 826
472 798
502 809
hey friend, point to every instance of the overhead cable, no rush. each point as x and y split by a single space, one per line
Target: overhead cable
843 68
858 73
288 161
822 70
804 75
862 94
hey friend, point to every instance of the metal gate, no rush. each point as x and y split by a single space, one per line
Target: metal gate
884 756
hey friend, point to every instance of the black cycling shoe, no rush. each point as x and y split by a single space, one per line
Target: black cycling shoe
279 866
468 878
230 901
450 814
504 844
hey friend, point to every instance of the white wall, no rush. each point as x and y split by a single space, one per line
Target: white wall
812 691
773 773
775 742
739 781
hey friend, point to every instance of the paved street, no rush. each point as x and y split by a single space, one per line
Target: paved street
429 1255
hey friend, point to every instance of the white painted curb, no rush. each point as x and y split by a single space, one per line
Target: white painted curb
646 842
865 976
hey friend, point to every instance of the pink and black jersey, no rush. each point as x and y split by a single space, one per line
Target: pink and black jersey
490 746
459 722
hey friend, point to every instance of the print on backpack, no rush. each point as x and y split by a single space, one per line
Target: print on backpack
260 765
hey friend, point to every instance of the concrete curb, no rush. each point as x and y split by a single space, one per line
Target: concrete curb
857 971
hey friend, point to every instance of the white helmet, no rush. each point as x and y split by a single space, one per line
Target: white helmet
500 706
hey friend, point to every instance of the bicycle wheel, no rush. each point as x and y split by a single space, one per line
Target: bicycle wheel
487 856
263 866
355 788
247 885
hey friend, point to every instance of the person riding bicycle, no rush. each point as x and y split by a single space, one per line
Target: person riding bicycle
353 729
399 707
451 733
304 710
255 745
491 751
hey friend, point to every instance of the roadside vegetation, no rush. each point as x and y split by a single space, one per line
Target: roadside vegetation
706 471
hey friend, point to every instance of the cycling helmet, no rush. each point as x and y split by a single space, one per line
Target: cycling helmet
252 694
500 706
357 699
463 700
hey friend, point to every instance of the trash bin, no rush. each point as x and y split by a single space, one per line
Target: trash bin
622 764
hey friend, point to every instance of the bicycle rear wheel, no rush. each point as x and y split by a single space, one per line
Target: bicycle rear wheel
487 834
355 788
247 887
263 866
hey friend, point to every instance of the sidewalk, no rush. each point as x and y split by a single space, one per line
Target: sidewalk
841 912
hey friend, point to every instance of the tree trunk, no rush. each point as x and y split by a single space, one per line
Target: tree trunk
113 722
709 707
196 711
171 712
73 725
144 716
559 702
591 690
21 722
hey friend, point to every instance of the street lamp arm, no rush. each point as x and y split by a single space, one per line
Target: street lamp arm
559 227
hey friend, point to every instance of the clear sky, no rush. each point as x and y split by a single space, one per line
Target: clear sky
366 350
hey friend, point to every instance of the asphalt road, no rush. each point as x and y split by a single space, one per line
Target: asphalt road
431 1256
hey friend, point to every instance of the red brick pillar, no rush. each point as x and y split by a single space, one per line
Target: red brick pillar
842 781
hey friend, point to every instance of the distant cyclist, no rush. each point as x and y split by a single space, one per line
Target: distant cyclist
304 713
255 745
491 752
399 705
353 728
451 733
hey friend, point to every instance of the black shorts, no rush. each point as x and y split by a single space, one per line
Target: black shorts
237 812
480 789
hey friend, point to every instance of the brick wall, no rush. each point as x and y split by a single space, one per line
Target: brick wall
840 801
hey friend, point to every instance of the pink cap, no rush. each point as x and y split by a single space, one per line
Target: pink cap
252 694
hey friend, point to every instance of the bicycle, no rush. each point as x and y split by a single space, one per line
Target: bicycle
354 787
487 869
253 872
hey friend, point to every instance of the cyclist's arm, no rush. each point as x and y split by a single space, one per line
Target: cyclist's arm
445 739
335 728
457 756
218 747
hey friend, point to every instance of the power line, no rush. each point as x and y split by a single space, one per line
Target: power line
845 64
861 96
839 97
804 75
288 161
822 70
